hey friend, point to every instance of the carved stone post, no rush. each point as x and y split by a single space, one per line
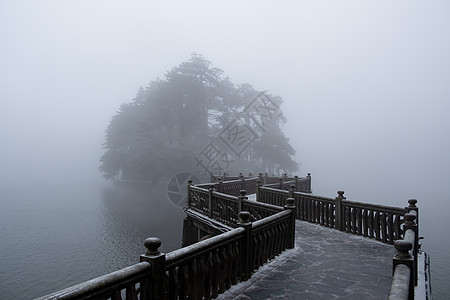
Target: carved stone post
243 187
189 199
403 257
258 185
296 183
240 198
247 250
220 187
291 190
280 181
412 206
291 206
284 177
210 208
265 178
309 182
157 260
339 218
410 223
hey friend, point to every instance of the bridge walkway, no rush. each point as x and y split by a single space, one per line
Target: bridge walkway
325 264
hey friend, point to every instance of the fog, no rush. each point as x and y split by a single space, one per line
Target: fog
365 84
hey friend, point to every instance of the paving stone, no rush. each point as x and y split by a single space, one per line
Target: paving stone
325 264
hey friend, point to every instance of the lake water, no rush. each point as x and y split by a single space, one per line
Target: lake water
54 236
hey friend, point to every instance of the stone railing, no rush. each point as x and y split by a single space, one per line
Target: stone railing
405 261
286 183
200 271
233 185
225 208
129 282
379 222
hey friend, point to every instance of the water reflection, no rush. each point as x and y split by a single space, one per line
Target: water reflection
130 213
55 236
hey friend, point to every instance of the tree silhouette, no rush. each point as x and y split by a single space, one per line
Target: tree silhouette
171 121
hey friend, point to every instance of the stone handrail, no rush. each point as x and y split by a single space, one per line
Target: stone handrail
379 222
200 271
405 267
132 281
225 208
233 185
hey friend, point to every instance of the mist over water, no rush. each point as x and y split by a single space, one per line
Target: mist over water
54 237
365 90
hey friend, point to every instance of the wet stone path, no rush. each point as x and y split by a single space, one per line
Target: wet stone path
325 264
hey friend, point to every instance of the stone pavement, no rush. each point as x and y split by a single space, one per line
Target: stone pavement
325 264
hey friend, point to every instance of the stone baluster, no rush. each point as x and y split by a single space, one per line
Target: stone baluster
247 251
339 218
240 198
412 206
403 257
210 204
410 223
220 186
155 288
189 198
309 183
242 177
291 190
291 206
258 185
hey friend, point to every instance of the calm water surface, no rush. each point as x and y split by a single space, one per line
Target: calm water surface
54 236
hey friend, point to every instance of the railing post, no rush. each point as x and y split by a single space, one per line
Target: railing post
296 183
155 288
247 250
261 177
210 191
242 177
220 187
189 201
411 224
309 182
265 178
240 198
291 206
291 190
412 206
211 177
280 181
258 185
339 218
402 256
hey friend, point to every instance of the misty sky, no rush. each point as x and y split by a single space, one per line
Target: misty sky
365 83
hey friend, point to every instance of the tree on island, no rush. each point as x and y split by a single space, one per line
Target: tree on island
196 120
